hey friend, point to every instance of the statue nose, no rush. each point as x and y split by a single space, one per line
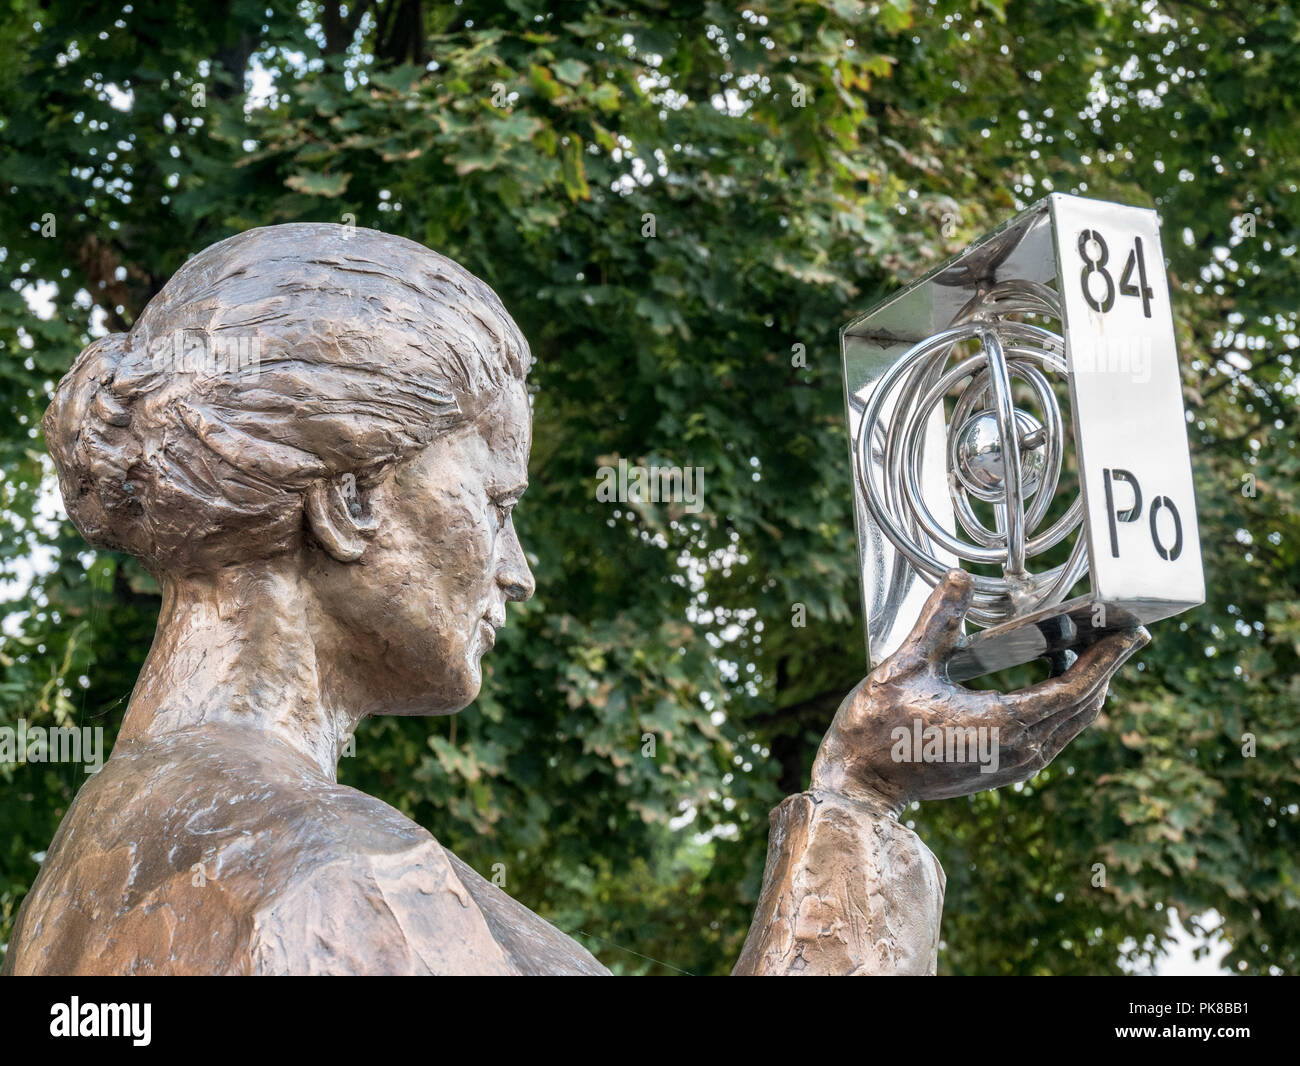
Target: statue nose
516 579
514 576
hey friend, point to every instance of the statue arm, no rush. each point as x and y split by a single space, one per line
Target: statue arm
847 889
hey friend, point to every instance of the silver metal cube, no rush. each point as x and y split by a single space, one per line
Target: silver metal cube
1068 299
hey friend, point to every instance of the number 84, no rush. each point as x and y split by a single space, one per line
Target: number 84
1095 255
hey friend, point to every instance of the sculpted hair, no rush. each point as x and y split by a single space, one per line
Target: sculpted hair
274 359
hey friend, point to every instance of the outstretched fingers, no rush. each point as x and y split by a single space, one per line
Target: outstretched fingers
1089 675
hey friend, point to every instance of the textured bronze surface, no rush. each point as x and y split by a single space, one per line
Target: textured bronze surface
330 525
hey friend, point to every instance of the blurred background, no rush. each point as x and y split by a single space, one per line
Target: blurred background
681 204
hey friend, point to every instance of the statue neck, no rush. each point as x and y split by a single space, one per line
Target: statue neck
242 648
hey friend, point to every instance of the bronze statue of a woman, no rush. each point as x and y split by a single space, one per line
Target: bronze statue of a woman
330 523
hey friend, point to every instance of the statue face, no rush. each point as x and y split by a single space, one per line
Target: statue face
417 612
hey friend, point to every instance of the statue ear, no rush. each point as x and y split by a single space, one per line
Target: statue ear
336 518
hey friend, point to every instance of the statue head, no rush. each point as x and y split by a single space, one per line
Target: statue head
324 414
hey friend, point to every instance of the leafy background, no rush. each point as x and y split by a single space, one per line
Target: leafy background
529 141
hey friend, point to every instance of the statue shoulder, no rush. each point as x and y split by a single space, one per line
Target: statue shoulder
340 882
382 900
217 861
208 858
375 911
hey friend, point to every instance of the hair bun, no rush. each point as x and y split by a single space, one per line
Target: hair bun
88 432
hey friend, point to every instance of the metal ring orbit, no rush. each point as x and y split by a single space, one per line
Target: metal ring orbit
890 472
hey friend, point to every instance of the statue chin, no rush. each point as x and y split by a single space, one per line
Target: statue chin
437 703
441 683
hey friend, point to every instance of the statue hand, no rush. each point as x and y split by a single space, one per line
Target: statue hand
868 752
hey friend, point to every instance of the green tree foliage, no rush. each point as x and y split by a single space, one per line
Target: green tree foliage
670 198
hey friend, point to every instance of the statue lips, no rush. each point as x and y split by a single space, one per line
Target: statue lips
489 634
